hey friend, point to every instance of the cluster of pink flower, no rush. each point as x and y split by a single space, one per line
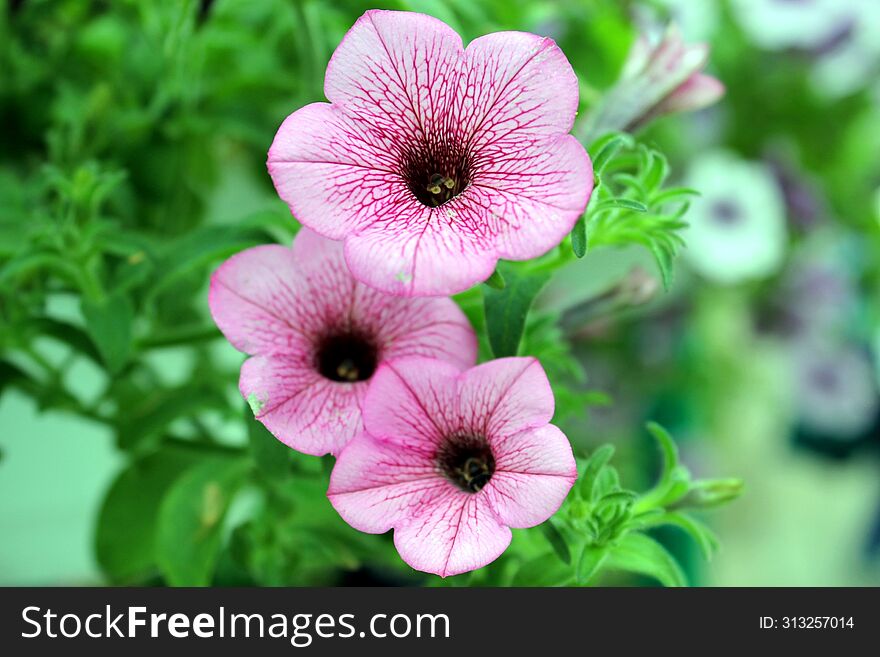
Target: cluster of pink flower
430 163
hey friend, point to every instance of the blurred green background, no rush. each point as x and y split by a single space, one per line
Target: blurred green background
132 161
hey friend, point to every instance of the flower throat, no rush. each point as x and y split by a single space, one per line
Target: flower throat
467 461
346 357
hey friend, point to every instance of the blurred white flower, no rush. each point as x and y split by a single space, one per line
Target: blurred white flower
737 227
782 24
852 60
835 390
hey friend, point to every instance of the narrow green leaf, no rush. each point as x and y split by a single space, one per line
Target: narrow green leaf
673 194
639 553
595 463
668 449
664 260
191 517
607 481
624 203
606 148
702 535
507 309
591 560
658 169
557 541
579 237
495 281
108 323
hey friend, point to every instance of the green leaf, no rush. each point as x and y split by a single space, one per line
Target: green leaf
624 203
545 570
191 519
108 323
203 247
668 449
557 541
606 148
591 560
126 527
639 553
70 335
579 237
658 169
495 281
149 417
271 455
702 535
595 463
607 481
673 194
664 259
506 309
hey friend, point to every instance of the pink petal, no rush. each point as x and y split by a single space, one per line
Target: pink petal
374 484
695 93
396 71
421 251
504 397
451 532
534 470
411 403
336 175
301 408
252 301
515 88
536 194
433 328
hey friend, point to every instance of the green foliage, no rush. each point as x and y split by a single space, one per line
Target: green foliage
190 523
605 524
507 308
630 204
125 539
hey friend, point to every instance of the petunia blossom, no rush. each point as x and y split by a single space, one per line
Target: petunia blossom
317 336
660 76
453 459
433 160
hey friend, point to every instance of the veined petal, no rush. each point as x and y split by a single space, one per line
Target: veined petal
252 301
423 251
375 485
337 176
535 195
397 72
409 403
534 470
451 532
433 328
302 409
504 397
515 87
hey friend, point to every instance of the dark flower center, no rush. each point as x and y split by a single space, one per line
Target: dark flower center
467 461
347 357
436 171
726 212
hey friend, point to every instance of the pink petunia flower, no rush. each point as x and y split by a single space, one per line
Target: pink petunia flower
317 336
432 160
660 76
451 460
